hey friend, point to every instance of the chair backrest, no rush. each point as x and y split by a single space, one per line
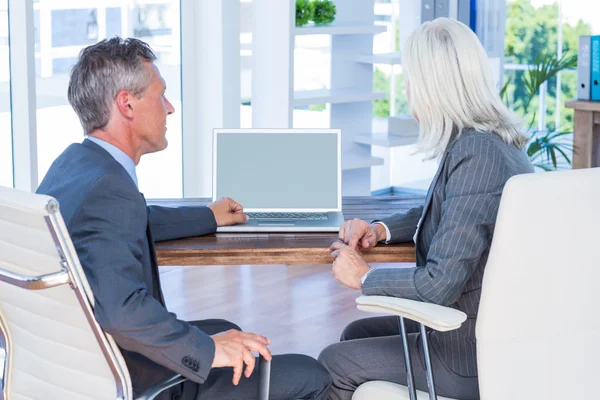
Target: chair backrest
54 347
538 331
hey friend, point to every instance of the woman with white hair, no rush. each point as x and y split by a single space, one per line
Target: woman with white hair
478 142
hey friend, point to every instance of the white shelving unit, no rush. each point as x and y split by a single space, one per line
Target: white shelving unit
354 117
335 96
340 29
385 140
350 95
352 161
382 58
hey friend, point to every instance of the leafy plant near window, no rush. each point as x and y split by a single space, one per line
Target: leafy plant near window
545 147
304 12
321 12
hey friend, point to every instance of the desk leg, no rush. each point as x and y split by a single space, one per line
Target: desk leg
586 139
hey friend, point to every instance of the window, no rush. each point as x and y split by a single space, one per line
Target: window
6 146
61 33
388 77
246 63
534 27
545 27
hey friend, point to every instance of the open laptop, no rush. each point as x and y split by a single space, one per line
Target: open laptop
287 180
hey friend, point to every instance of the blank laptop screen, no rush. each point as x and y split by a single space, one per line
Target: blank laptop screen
278 170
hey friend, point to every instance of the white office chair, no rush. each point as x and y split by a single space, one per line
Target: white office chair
538 331
55 349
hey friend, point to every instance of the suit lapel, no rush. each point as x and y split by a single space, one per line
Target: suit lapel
434 183
429 197
156 287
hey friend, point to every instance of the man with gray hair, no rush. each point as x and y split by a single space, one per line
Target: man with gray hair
119 96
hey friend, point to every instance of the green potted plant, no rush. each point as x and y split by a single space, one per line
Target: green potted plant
544 147
304 12
323 12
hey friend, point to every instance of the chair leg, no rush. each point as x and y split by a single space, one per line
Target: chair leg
3 362
410 380
264 378
158 388
430 380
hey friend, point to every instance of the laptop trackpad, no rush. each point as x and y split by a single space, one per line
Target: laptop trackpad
275 224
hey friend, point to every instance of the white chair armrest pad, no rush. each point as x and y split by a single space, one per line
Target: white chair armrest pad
382 390
434 316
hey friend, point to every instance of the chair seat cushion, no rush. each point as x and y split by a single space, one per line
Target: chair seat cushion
381 390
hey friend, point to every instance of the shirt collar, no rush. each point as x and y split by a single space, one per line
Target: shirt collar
118 155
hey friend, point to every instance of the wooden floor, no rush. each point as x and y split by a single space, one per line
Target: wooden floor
300 308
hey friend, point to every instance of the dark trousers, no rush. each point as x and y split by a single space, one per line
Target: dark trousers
293 376
371 349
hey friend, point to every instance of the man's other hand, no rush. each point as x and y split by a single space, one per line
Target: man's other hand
228 212
234 349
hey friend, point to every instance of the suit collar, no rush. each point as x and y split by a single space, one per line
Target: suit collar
97 148
119 156
104 153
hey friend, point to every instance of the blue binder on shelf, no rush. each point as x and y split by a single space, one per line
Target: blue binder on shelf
595 68
584 73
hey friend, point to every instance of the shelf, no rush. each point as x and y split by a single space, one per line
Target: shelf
355 161
331 96
381 58
583 105
385 140
340 29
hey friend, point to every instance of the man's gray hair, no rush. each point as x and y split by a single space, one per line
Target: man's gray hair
103 70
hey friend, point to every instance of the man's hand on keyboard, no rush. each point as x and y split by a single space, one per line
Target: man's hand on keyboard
228 212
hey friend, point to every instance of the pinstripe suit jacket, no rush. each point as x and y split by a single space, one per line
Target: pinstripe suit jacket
453 238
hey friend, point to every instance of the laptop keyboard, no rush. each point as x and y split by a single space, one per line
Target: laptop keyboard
288 216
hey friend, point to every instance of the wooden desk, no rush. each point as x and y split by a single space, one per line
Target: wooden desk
284 248
586 133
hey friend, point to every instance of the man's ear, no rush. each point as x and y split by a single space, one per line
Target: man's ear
125 101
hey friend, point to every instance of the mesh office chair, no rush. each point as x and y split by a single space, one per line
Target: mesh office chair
55 349
538 334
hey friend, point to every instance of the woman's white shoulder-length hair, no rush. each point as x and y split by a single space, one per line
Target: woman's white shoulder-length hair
452 88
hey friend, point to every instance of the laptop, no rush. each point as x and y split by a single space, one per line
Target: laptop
287 180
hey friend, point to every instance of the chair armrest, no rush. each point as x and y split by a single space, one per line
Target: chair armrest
155 390
434 316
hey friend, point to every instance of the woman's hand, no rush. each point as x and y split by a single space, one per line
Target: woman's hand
348 265
359 234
